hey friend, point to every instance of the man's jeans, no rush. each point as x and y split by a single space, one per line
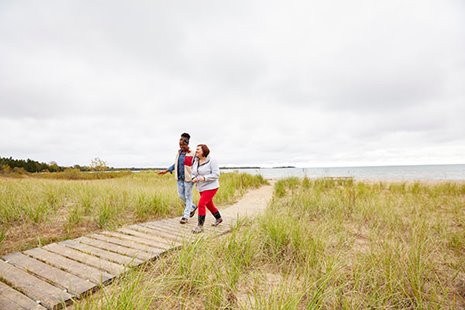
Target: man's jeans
185 193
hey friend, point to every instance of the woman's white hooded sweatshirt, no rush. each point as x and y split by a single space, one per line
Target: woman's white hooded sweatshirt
210 171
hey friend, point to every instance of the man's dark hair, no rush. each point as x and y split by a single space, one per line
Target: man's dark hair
185 137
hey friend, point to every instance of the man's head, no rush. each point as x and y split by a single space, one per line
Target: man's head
184 141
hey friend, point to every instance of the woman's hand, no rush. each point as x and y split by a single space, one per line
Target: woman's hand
198 179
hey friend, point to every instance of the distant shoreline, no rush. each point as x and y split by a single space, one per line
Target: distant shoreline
295 167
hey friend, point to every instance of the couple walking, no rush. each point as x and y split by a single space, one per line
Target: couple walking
196 168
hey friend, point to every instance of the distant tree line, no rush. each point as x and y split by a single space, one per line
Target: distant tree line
9 164
29 165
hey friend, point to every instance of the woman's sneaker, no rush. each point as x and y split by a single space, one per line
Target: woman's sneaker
218 222
183 220
197 229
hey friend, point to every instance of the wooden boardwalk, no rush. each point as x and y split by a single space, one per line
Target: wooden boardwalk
55 275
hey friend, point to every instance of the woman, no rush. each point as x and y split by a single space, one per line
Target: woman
206 173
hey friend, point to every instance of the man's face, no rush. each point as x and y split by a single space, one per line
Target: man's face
183 145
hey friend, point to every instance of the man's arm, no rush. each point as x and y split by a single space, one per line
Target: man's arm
170 170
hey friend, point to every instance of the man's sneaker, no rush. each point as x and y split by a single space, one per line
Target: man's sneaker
183 221
197 229
218 222
193 211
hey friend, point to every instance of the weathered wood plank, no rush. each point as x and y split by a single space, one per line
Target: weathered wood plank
116 248
173 226
111 256
125 236
129 244
223 227
11 299
81 270
176 225
87 259
168 229
175 222
73 284
153 233
48 295
209 230
136 233
163 233
185 229
181 236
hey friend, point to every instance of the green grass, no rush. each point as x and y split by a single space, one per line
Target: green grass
53 208
321 244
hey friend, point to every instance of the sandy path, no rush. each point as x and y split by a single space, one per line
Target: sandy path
252 203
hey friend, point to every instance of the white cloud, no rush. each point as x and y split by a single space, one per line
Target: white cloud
262 82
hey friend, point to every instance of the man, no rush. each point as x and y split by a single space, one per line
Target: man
183 171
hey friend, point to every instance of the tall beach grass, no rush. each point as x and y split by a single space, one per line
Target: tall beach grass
37 211
321 244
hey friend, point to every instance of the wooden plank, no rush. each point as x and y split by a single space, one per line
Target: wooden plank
116 248
177 226
87 259
154 251
180 229
42 292
57 277
111 256
188 227
124 235
185 228
153 233
163 233
11 299
168 229
136 233
179 236
81 270
175 222
212 230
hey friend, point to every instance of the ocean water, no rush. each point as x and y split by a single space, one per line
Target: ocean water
420 172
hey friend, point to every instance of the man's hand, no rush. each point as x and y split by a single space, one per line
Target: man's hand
163 172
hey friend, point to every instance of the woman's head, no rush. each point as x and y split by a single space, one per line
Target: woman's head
202 151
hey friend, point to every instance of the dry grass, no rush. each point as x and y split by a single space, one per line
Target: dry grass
321 244
36 211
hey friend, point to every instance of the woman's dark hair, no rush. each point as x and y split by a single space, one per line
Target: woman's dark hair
205 149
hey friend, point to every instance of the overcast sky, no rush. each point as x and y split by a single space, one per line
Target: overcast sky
306 83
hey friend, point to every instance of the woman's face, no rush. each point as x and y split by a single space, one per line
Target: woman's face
199 152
